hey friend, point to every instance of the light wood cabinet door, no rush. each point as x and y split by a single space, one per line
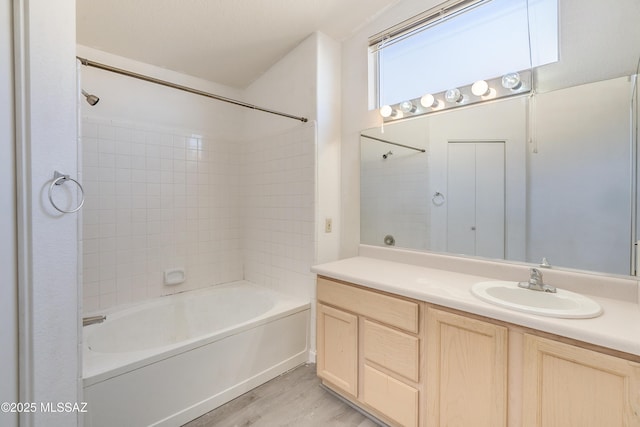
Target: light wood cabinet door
567 386
337 347
466 371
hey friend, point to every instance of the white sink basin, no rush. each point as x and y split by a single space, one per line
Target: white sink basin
564 304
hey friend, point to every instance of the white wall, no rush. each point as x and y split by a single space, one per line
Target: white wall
289 86
302 187
356 116
328 98
279 157
8 248
597 42
128 100
48 243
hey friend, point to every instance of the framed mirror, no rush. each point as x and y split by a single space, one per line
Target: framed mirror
519 179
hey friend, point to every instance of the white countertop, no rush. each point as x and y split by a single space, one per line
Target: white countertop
617 328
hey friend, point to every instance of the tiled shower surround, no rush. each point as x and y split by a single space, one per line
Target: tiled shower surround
223 210
278 210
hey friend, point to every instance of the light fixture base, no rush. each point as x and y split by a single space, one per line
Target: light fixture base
511 84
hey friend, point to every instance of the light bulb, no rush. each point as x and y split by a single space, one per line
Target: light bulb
408 107
511 81
386 111
428 101
480 88
453 95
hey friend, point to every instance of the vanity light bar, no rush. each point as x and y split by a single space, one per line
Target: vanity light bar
516 83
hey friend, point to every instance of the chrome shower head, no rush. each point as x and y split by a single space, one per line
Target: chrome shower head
384 156
91 99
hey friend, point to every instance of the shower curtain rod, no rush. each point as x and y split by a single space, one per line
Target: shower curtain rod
422 150
89 63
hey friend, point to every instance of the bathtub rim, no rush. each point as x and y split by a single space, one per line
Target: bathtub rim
98 367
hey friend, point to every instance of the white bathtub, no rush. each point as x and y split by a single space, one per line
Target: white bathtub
174 358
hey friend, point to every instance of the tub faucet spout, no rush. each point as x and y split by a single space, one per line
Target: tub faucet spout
91 320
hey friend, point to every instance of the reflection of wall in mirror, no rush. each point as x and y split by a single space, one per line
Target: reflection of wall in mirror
502 121
579 181
394 195
476 198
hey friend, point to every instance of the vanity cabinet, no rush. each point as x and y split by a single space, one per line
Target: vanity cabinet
466 371
566 385
411 363
369 350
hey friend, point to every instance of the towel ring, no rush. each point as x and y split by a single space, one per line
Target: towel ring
59 179
438 199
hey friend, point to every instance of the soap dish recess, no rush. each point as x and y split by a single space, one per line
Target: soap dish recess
174 276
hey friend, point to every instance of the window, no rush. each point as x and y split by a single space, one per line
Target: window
461 42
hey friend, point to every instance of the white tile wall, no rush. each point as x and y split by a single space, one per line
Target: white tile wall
157 199
223 210
278 207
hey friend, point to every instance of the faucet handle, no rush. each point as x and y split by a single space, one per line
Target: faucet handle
535 276
535 282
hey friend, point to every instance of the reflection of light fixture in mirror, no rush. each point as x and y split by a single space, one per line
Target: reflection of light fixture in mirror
408 107
454 95
480 88
428 101
386 111
511 81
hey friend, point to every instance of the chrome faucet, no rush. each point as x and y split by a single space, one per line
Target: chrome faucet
91 320
535 282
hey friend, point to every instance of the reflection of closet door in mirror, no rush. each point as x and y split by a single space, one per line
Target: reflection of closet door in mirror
476 198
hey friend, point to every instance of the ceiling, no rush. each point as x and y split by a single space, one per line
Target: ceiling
231 42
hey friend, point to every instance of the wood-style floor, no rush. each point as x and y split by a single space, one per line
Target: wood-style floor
294 399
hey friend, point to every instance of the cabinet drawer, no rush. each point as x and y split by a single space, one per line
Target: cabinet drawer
393 311
391 397
392 349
